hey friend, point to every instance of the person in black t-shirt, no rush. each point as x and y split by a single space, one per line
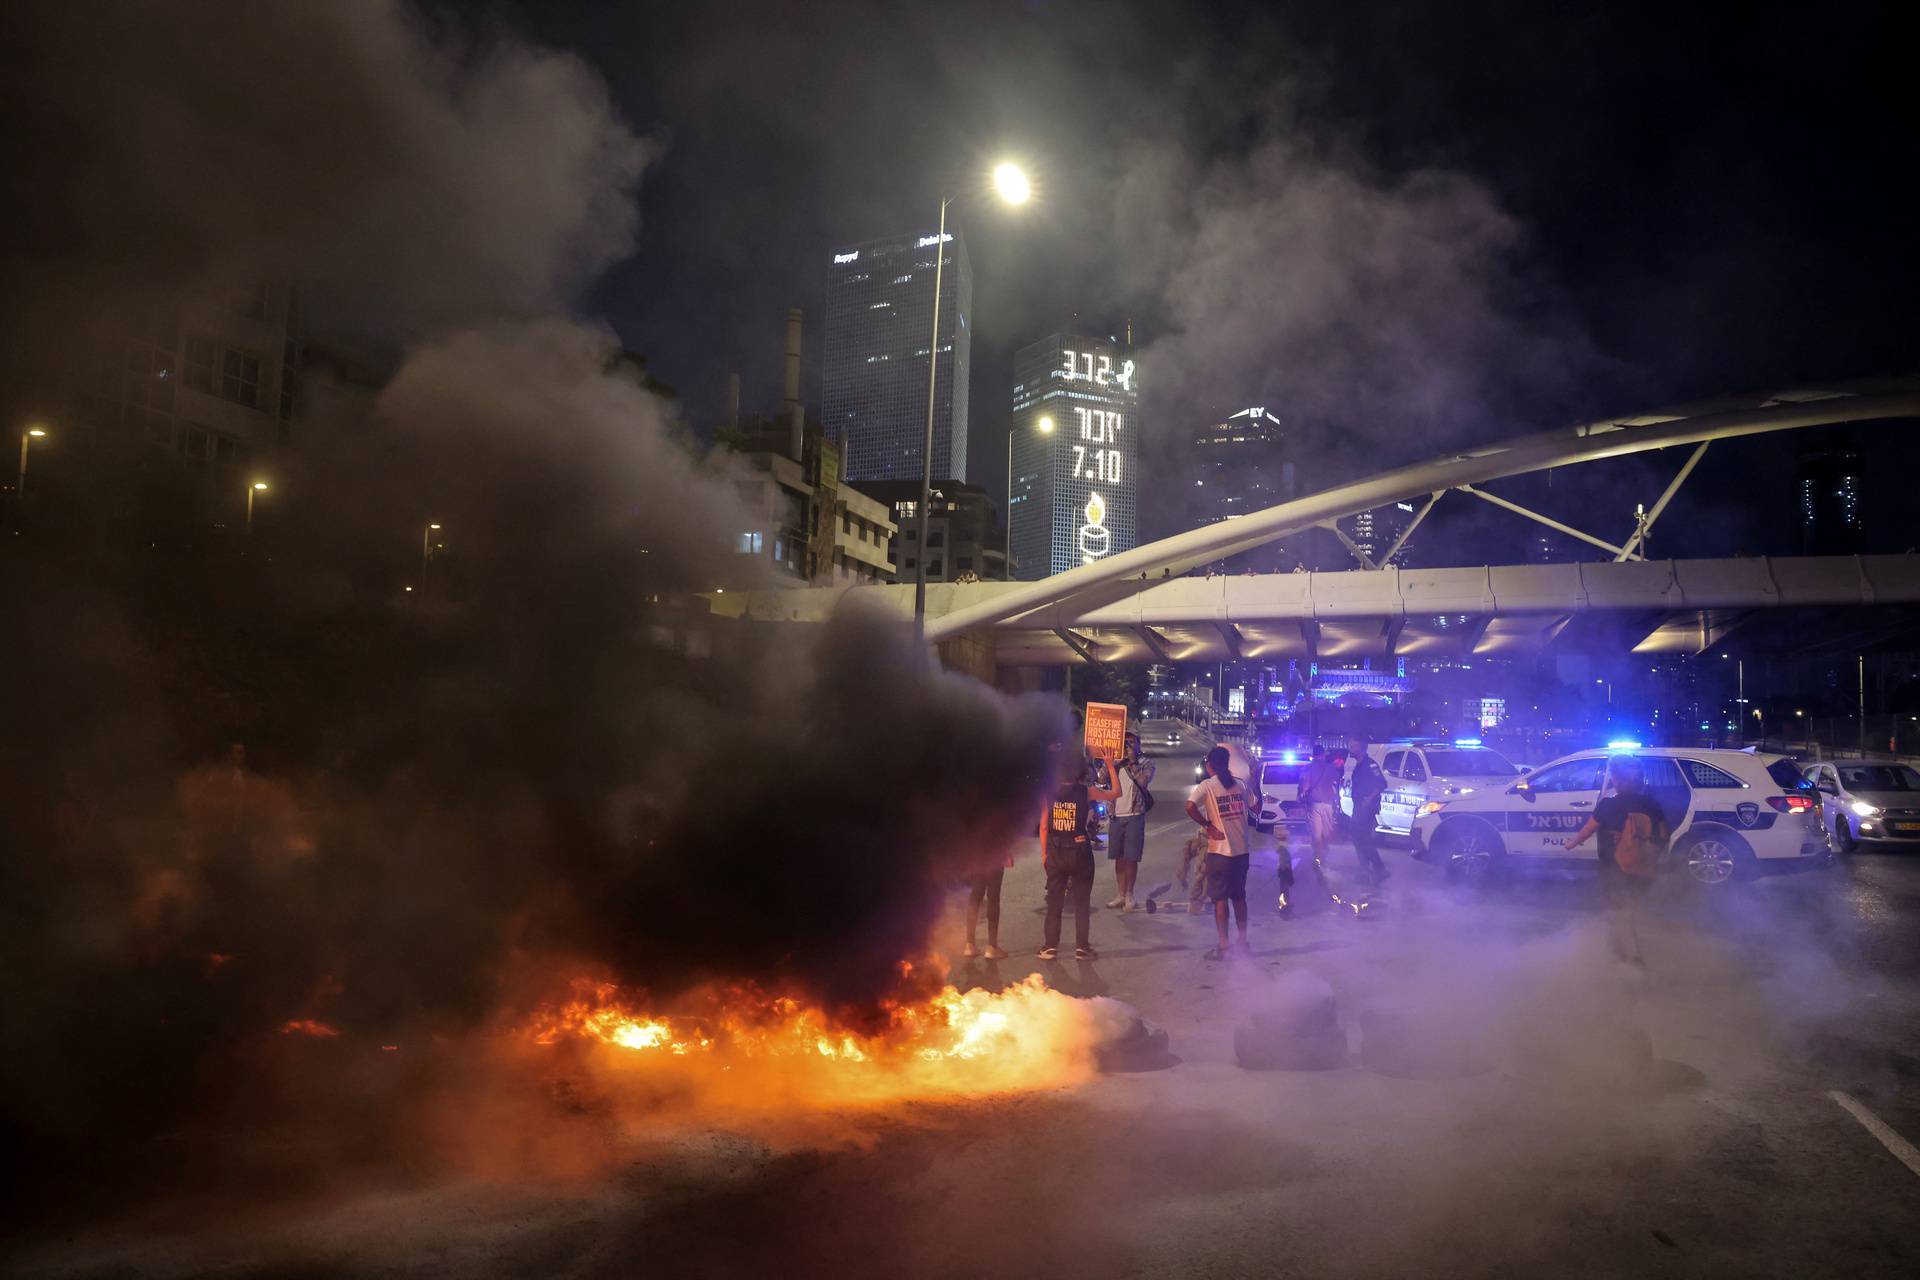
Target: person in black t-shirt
1066 848
1629 803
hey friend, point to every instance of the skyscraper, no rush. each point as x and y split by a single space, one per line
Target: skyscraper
1074 496
1828 482
1240 465
879 325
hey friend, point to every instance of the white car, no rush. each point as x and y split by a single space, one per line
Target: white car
1862 800
1729 812
1427 769
1280 788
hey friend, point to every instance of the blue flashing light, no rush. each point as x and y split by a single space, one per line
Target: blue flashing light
1466 742
1290 757
1623 744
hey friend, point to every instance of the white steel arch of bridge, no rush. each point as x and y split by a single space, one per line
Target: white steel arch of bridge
1698 425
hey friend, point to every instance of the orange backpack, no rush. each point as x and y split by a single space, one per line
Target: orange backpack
1638 849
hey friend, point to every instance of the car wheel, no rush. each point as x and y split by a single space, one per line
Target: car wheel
1843 841
1715 859
1470 851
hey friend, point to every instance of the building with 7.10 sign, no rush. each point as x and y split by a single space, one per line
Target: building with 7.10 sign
1073 483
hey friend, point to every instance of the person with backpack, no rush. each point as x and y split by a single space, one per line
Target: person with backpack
1633 841
1127 833
1066 847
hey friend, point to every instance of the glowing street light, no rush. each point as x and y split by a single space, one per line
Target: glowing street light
426 549
26 437
257 487
1012 185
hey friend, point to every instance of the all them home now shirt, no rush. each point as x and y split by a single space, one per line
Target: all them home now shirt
1227 808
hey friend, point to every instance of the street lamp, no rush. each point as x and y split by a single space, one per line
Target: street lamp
257 487
26 437
1045 428
1012 185
426 550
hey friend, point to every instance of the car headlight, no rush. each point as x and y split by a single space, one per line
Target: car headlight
1864 809
1431 806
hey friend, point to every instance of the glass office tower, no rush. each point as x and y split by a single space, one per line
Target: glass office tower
879 325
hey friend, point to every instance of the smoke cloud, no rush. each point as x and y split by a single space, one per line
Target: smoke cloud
405 173
260 800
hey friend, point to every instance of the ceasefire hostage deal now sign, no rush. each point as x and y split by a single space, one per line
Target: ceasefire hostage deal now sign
1106 730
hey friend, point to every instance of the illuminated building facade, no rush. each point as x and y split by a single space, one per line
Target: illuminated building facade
879 323
1074 496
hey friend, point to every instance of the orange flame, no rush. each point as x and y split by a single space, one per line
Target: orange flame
974 1042
309 1027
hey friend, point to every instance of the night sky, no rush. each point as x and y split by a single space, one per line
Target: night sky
1411 225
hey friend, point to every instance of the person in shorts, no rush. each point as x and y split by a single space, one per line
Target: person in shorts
1219 805
1127 832
1066 848
1320 794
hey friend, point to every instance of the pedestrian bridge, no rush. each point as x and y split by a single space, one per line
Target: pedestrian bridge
1641 606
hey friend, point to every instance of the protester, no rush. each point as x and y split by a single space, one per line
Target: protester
1633 835
1369 785
1319 793
1067 850
1127 832
1219 805
986 888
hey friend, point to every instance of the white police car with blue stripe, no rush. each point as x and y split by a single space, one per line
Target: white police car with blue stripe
1730 812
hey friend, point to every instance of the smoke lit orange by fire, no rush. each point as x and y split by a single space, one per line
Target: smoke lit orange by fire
951 1043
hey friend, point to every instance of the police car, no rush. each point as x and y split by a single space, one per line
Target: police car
1729 812
1867 800
1421 770
1280 772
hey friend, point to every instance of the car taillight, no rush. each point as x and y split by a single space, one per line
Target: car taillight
1791 804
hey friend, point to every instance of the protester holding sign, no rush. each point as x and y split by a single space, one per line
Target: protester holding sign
1066 848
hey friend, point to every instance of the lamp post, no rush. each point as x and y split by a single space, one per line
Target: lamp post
426 551
258 486
27 437
1013 188
1045 428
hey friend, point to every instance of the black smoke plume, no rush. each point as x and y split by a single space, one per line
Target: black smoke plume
271 792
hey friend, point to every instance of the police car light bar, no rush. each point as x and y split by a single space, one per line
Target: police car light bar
1466 742
1623 744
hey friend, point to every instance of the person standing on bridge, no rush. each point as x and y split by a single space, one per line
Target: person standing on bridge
1219 805
1127 833
1066 848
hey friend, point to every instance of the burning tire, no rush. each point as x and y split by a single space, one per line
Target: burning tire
1471 851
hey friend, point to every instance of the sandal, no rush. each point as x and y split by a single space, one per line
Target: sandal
1216 953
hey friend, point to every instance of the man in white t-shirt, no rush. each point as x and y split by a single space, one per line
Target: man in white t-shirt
1219 805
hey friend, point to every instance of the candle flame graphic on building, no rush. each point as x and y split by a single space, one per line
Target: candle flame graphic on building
1095 541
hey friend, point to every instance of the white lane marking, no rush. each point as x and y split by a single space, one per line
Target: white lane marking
1903 1151
1169 826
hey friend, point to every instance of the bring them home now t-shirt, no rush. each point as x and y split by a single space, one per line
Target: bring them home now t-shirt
1227 808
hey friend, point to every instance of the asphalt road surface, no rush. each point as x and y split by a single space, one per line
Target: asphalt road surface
1767 1137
